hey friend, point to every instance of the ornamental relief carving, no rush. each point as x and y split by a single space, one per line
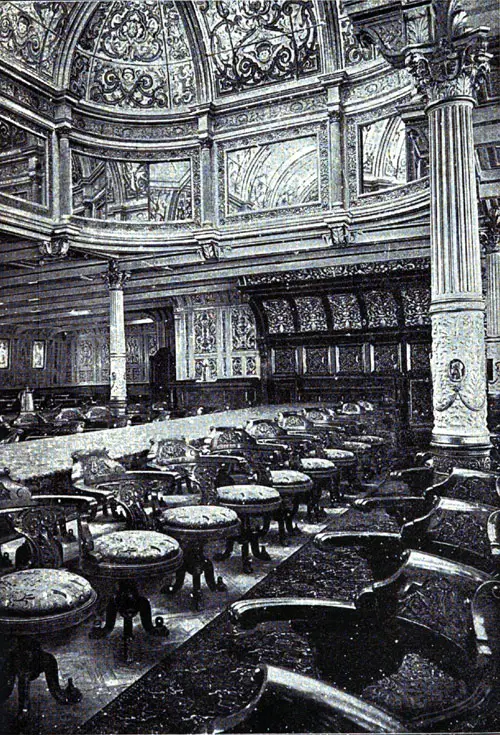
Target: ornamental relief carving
258 43
129 131
321 202
267 113
279 316
459 372
337 271
311 314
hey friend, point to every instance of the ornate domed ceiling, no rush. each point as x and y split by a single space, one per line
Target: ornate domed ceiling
134 54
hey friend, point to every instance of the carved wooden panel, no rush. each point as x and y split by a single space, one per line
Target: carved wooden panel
345 311
317 360
350 358
385 357
381 309
312 317
285 361
279 316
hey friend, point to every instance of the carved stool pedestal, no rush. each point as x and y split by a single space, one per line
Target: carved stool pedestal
254 505
291 485
130 557
346 462
34 603
325 476
194 526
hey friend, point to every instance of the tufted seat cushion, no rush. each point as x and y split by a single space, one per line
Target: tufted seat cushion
247 494
289 477
357 446
200 516
38 592
316 463
372 439
339 454
135 547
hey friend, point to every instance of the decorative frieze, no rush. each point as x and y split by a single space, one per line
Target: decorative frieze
135 131
336 271
266 113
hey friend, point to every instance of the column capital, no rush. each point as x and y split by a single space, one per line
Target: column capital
430 38
114 277
447 72
489 234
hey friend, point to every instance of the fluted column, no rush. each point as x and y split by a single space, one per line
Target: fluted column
458 362
448 61
115 279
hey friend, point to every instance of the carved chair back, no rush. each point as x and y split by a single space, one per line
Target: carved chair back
294 421
130 502
168 452
40 527
95 467
430 591
471 485
263 429
12 494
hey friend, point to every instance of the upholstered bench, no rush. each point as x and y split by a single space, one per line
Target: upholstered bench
130 558
324 475
291 485
254 505
194 526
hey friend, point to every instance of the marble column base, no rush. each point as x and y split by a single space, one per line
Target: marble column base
118 407
446 458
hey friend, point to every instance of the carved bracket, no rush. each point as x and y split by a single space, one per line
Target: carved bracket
212 251
57 248
340 236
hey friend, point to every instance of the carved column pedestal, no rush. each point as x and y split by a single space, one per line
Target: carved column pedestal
115 278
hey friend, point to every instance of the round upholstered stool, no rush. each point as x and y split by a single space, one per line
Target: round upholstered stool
34 603
291 485
254 506
130 557
194 526
379 446
347 463
325 476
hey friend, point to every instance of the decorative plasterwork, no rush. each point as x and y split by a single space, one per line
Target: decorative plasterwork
320 130
265 113
433 40
134 131
354 124
32 33
336 271
459 374
354 51
258 43
134 55
20 94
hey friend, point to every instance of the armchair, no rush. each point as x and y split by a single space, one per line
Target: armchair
269 431
422 644
95 474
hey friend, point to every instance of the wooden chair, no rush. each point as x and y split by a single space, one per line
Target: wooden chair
423 644
95 474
